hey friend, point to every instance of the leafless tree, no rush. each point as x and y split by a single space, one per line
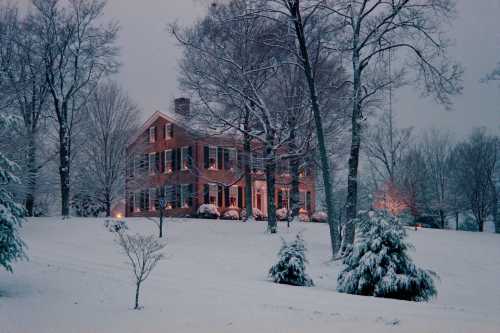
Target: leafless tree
143 253
376 31
112 118
475 162
231 65
437 149
386 145
23 72
77 51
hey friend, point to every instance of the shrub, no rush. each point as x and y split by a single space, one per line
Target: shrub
231 214
378 264
115 226
320 217
208 211
282 214
291 266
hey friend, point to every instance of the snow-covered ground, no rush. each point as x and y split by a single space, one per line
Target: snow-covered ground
214 279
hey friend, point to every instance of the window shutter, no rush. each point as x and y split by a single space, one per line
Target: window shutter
157 161
206 156
280 199
240 160
179 161
156 133
162 162
171 129
226 158
174 159
178 202
190 195
240 197
220 191
219 158
226 196
190 157
206 193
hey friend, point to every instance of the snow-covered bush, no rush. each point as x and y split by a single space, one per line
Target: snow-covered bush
303 217
257 214
291 266
282 214
208 211
231 214
379 265
85 205
320 217
11 213
115 226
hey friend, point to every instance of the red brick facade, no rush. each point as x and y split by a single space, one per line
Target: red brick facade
190 169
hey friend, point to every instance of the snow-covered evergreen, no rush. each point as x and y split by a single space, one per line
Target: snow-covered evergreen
291 267
11 213
379 264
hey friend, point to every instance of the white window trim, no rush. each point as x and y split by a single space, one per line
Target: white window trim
165 161
152 134
152 197
151 166
210 186
167 129
184 149
217 166
236 192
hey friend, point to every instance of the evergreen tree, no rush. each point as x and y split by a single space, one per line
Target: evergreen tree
378 264
11 213
291 267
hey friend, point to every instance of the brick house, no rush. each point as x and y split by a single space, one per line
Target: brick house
190 167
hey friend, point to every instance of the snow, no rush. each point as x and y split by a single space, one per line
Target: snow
214 279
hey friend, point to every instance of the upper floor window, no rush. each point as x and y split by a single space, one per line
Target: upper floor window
152 163
185 158
169 161
212 158
169 131
230 158
152 134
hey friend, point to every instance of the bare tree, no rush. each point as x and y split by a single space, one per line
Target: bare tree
23 70
474 163
376 30
437 149
112 118
143 253
77 51
230 65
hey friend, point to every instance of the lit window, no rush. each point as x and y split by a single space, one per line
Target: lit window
212 158
233 196
185 196
168 131
169 166
213 192
185 158
152 199
152 134
151 163
170 196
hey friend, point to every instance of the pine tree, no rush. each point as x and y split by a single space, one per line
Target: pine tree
11 213
378 264
291 267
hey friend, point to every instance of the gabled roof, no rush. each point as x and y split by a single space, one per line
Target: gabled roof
174 119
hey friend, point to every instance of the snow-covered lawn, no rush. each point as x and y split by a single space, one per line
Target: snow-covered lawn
214 279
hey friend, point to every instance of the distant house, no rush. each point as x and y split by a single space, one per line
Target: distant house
190 167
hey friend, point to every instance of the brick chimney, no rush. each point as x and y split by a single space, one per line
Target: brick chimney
182 106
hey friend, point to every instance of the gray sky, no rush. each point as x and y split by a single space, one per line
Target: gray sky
149 57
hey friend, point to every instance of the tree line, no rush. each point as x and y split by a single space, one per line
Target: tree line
56 62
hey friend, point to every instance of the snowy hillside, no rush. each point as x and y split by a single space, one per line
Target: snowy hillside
214 279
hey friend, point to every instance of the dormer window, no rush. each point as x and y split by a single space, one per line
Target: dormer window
169 131
152 134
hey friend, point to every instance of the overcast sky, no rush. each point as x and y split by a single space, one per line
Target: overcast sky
149 57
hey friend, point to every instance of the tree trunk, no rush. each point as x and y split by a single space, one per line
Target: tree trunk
325 166
247 175
270 183
32 177
294 171
64 165
352 180
161 222
494 210
137 287
108 205
442 218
